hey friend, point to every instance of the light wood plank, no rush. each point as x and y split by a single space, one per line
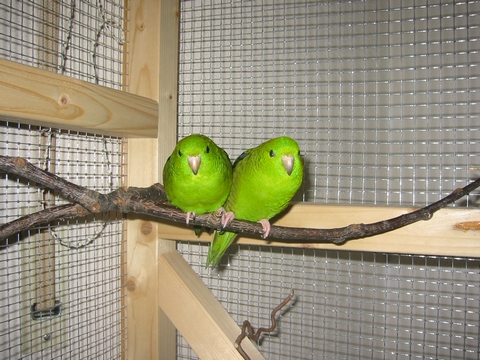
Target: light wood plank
196 313
141 286
168 80
437 236
150 335
169 19
40 97
152 64
143 330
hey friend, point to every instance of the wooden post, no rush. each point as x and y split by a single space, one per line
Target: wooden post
150 335
167 138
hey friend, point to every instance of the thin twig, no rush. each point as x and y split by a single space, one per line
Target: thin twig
247 327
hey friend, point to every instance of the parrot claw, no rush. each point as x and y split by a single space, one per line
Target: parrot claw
190 214
266 227
227 217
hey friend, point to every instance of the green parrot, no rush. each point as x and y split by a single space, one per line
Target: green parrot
197 176
265 179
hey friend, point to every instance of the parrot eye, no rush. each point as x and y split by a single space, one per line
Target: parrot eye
272 153
207 150
179 153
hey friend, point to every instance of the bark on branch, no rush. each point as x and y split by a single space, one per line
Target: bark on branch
152 201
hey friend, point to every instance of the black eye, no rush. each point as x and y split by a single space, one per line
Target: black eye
272 153
207 150
179 153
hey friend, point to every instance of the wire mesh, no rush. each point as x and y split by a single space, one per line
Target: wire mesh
383 100
86 279
76 265
349 305
382 97
81 39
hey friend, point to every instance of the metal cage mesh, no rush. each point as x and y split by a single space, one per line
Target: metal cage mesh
75 262
81 39
383 100
349 305
71 271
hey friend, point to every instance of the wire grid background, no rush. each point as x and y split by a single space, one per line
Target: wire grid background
383 100
81 39
78 38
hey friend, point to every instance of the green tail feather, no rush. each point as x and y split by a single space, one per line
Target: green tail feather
221 241
197 229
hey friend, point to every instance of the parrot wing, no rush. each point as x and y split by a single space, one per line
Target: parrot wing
240 158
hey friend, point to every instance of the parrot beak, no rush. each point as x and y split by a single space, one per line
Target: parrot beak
287 161
194 163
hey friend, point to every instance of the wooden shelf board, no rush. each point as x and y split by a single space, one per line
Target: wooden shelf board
39 97
437 236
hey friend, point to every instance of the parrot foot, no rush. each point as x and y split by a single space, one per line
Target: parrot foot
190 214
220 211
227 217
266 227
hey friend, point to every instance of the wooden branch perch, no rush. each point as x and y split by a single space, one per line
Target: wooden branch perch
152 201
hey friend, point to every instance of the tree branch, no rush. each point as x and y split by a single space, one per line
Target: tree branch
152 201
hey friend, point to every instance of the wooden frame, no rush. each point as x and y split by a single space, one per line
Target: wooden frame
163 293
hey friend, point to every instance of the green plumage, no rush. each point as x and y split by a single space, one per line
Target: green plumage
261 188
197 176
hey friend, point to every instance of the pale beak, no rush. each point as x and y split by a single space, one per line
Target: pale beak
194 163
287 161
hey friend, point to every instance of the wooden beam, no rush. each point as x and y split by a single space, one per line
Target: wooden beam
142 333
150 335
196 313
169 38
152 68
440 235
40 97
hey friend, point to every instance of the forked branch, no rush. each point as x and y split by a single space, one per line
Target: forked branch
152 201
